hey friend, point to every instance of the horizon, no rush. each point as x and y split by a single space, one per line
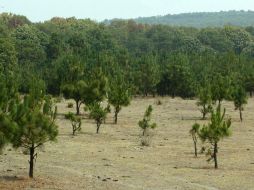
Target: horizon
40 11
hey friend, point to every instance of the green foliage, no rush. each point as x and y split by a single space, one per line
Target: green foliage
177 79
8 58
119 95
76 122
205 100
98 113
96 88
240 99
156 59
221 88
75 91
29 123
213 132
147 75
239 37
145 124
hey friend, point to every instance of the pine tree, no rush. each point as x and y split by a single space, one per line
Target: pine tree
33 120
119 95
213 132
194 134
98 113
240 99
75 91
8 94
76 122
145 124
205 100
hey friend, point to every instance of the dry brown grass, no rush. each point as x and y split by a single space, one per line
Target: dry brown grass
114 159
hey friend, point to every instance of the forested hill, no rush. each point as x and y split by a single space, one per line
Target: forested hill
203 19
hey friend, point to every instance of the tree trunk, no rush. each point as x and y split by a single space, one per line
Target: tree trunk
116 116
117 110
98 128
204 112
219 103
241 116
144 132
73 130
31 162
77 107
196 151
215 155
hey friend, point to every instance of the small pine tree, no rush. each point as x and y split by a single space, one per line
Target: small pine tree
240 99
194 134
119 96
217 129
144 124
75 122
98 113
205 100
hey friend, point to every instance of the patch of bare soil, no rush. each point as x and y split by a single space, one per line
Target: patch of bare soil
114 159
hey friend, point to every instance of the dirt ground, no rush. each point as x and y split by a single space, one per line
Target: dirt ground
114 159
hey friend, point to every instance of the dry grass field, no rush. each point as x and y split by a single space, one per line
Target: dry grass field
114 159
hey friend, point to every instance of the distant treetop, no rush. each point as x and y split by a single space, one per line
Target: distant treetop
201 19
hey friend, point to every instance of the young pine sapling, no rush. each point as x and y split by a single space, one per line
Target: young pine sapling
205 100
76 122
194 134
145 124
213 132
119 95
98 113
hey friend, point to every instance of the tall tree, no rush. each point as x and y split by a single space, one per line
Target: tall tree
75 91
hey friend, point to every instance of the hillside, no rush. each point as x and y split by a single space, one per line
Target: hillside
202 20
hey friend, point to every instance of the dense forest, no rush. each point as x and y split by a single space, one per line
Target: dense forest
203 19
149 59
